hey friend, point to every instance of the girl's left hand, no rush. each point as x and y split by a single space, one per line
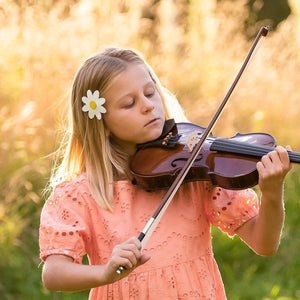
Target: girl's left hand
273 168
262 233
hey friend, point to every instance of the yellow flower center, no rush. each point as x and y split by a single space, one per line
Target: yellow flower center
93 105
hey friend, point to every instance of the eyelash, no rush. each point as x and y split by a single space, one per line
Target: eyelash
130 105
133 101
149 95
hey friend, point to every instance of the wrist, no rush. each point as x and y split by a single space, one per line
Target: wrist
272 201
273 196
98 275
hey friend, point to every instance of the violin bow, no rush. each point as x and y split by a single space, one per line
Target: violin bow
156 217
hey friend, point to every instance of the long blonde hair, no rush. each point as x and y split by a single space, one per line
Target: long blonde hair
89 148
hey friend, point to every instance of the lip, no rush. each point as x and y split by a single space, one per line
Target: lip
151 122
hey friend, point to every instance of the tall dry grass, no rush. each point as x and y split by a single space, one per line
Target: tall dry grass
197 61
196 50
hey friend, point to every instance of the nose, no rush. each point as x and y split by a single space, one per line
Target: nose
147 105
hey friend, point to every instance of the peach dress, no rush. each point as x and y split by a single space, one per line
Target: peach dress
182 265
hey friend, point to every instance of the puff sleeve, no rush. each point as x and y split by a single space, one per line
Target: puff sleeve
63 229
230 209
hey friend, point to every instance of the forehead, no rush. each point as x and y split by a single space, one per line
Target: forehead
134 76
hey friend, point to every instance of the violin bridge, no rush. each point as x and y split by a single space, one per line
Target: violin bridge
192 140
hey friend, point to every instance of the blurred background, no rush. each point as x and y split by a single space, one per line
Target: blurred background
196 48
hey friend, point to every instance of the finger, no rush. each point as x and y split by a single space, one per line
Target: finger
128 261
269 164
283 155
260 167
288 147
132 254
277 157
129 253
122 262
268 159
143 259
135 241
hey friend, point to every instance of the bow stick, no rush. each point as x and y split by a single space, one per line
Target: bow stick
154 220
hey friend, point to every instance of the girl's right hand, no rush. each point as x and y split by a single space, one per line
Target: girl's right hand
127 255
60 273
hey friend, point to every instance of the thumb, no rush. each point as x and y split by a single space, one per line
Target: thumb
143 259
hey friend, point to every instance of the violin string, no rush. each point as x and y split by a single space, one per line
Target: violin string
247 149
239 148
294 156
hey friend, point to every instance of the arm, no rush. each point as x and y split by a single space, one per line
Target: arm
262 233
60 273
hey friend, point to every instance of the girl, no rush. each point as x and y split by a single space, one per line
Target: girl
118 103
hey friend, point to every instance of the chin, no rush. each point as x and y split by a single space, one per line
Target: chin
150 138
156 135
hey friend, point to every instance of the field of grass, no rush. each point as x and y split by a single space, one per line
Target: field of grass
197 50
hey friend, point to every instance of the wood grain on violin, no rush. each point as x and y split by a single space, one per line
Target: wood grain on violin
226 162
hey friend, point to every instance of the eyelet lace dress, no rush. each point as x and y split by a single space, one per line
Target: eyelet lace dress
182 265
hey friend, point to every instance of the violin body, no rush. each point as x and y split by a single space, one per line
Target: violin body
227 162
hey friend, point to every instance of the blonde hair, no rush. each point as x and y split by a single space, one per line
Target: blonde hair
89 148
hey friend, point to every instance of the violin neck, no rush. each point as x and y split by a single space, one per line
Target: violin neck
246 149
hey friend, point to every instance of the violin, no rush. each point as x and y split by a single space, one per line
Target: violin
227 162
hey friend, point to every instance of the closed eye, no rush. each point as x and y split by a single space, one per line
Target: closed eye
129 105
149 95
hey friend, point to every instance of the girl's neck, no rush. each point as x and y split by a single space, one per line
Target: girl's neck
126 175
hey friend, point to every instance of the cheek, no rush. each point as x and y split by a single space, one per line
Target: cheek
119 126
161 111
159 105
110 124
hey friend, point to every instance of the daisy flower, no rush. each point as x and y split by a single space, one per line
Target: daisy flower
93 104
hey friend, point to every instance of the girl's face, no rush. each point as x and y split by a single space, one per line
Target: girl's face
135 112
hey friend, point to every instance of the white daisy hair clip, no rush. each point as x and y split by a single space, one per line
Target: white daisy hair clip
93 104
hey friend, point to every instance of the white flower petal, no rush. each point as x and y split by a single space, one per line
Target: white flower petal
96 94
91 114
98 115
97 102
101 101
102 109
85 108
89 94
